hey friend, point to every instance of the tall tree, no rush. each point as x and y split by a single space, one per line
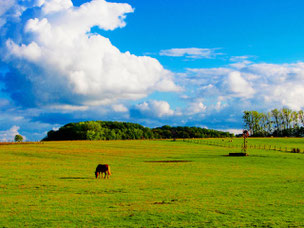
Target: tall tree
248 121
301 117
269 124
287 119
295 119
277 120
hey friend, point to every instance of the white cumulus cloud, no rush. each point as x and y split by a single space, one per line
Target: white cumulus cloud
251 85
239 85
67 64
119 108
196 107
154 108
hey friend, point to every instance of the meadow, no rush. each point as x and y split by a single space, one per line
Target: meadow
153 184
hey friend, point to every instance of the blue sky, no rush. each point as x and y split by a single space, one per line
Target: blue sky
188 63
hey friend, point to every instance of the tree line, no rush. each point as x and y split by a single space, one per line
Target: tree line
282 122
108 130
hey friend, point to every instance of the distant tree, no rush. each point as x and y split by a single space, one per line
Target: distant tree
107 130
286 113
252 121
18 138
283 122
301 116
277 120
269 124
264 122
295 119
90 135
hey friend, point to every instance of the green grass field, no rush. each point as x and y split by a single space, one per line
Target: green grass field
53 185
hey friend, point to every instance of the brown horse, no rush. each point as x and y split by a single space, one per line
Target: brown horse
103 169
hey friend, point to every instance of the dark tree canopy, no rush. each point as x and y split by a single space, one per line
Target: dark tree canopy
18 138
108 130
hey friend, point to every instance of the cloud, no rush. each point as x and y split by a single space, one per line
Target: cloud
196 107
192 53
12 10
240 58
152 109
9 9
239 85
59 61
119 108
55 5
252 86
240 61
9 135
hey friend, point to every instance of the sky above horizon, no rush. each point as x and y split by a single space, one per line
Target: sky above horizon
182 63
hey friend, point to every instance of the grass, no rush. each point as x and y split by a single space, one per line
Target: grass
53 185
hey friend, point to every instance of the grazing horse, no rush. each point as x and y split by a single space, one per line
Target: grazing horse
100 169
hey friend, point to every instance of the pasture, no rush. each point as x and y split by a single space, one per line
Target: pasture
153 184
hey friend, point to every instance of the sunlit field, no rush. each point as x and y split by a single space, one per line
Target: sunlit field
153 184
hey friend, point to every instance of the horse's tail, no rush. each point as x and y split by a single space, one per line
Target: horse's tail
109 171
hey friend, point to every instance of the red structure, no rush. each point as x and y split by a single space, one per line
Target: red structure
244 146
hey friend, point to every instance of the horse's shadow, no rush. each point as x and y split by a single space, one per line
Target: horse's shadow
76 178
